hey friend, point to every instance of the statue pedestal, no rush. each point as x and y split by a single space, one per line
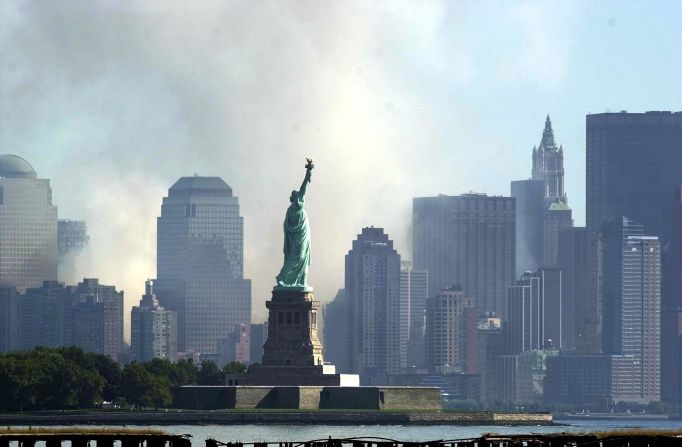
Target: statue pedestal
292 329
292 354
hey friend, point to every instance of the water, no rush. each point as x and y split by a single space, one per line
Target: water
300 433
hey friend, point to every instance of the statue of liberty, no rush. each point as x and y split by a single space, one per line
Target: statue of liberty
294 273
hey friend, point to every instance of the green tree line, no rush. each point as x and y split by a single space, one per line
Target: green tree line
69 378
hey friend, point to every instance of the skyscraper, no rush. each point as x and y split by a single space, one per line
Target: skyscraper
632 302
378 346
154 331
28 226
337 332
97 317
548 165
200 257
9 318
467 240
574 264
537 316
414 290
633 169
451 332
541 206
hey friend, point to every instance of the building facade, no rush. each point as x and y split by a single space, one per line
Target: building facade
154 331
542 206
28 226
451 333
9 318
372 288
468 240
632 163
97 317
200 258
537 315
632 302
337 332
257 337
414 289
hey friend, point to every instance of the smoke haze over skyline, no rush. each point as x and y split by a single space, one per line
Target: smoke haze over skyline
114 101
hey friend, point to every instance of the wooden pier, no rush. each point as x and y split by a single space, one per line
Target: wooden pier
90 438
611 439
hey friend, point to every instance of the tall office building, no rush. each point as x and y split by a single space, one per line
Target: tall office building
154 331
46 316
633 169
257 337
337 332
414 289
372 288
451 333
574 264
9 318
541 206
200 258
467 240
491 344
548 165
28 226
97 317
537 315
632 302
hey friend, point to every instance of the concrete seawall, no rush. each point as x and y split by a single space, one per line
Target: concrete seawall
275 417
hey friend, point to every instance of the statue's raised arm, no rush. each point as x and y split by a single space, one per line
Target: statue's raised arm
308 172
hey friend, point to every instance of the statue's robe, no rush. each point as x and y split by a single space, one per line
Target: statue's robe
296 245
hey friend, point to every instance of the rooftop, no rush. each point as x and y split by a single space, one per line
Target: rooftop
194 184
13 166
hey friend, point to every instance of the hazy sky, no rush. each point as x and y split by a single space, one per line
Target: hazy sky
113 101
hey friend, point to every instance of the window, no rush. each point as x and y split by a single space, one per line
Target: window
280 318
288 317
297 318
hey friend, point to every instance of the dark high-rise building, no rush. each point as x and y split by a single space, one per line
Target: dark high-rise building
337 332
372 288
579 379
633 169
46 316
258 335
97 317
451 333
632 302
9 318
28 226
467 240
574 264
537 314
491 344
200 257
414 290
153 332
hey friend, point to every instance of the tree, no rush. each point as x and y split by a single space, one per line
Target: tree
234 368
209 374
143 389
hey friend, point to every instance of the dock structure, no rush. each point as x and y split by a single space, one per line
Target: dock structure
90 438
611 439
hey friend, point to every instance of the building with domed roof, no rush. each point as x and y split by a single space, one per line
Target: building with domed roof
200 262
28 225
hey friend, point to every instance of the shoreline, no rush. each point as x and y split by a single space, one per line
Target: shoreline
275 418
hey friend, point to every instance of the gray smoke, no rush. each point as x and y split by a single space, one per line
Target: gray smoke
113 101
